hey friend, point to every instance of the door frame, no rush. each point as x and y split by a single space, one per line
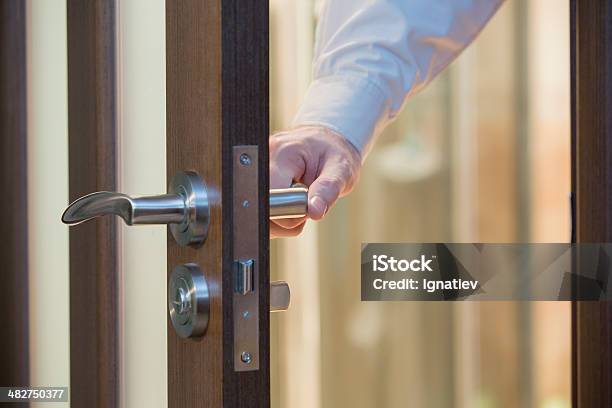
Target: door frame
14 357
94 247
591 94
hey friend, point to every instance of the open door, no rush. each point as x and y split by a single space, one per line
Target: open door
217 126
216 204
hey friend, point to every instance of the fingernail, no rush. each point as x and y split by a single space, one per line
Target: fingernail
318 205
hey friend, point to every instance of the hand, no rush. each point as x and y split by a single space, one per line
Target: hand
319 158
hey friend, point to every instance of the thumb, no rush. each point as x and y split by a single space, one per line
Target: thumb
327 187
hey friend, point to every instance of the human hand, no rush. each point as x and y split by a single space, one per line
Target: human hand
318 157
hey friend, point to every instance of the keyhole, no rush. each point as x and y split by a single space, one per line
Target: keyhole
182 301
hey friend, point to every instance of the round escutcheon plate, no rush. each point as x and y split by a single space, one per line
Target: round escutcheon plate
188 301
193 230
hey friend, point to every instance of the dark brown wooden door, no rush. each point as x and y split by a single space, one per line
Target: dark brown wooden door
591 41
217 98
92 138
14 359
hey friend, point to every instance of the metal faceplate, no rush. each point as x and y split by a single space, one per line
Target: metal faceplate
188 301
246 258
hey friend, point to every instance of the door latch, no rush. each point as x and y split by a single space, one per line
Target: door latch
189 300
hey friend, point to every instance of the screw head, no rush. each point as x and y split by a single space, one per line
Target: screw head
246 357
245 203
245 314
245 159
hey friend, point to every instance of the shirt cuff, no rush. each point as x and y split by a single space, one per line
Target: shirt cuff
352 106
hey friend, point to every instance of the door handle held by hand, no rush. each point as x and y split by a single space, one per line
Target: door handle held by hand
185 208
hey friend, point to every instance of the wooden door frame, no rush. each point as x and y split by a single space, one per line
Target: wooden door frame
14 355
92 156
591 78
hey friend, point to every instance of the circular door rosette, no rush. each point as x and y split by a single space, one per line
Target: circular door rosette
188 301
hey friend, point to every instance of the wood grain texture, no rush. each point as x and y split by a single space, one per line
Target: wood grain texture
92 126
245 121
14 361
592 186
217 97
194 142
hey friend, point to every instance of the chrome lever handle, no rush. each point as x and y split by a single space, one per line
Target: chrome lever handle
161 209
289 202
185 208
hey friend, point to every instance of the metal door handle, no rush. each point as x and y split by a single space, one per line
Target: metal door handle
160 209
289 202
185 208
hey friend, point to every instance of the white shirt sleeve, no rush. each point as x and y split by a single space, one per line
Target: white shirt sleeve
372 55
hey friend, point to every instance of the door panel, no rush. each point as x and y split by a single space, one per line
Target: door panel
216 93
193 132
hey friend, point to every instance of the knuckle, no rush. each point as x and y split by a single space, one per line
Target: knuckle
284 148
332 184
349 172
277 140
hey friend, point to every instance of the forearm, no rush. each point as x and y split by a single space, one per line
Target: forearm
371 56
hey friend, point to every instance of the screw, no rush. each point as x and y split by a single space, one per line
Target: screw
246 357
245 159
245 203
245 314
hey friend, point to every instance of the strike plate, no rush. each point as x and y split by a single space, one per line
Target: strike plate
246 258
